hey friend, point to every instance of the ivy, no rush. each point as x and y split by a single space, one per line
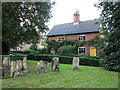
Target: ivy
56 45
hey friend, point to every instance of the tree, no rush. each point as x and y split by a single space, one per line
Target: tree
33 47
110 19
22 22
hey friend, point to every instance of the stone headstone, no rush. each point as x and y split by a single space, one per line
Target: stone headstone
75 63
13 69
5 64
5 60
42 65
25 64
52 51
55 64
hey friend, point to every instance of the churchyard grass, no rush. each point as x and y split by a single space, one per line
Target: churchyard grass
84 77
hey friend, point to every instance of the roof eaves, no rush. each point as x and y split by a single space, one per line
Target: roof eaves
72 33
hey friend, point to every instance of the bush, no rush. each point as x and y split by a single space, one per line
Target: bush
67 50
111 62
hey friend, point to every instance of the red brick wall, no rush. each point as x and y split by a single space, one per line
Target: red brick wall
74 37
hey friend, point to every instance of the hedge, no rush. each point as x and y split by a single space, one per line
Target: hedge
66 59
14 57
19 52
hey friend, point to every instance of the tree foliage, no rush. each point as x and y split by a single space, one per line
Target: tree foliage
23 22
33 46
110 19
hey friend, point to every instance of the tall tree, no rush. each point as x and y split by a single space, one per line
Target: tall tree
22 22
110 19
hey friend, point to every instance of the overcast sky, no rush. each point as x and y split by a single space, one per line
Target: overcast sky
64 9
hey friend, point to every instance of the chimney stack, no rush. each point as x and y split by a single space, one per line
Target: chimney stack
76 16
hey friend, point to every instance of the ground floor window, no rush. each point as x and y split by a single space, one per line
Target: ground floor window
81 50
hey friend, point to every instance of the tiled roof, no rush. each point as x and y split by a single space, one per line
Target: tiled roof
70 28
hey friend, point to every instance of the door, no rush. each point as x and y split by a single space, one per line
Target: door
93 51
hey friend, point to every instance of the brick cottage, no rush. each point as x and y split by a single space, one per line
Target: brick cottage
78 30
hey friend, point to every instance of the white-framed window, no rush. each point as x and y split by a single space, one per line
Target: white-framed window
81 50
81 38
60 39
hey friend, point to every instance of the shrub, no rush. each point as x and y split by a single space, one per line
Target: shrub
112 62
44 51
67 50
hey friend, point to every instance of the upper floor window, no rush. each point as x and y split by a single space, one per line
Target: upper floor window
81 38
60 39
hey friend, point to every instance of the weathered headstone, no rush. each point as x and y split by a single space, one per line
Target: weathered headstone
52 51
25 64
19 68
5 60
45 63
42 65
13 69
75 63
55 64
14 66
5 65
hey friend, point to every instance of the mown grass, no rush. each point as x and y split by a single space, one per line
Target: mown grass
84 77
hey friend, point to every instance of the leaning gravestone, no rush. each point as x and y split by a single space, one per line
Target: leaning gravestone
55 64
75 63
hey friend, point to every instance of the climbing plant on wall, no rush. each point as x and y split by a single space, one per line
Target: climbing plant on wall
56 45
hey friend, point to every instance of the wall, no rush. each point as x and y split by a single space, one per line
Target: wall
74 37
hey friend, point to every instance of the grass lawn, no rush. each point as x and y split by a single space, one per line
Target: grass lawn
84 77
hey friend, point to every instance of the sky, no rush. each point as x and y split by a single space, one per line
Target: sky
64 9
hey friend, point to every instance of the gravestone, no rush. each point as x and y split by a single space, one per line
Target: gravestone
42 65
5 65
75 63
13 69
13 66
52 51
19 68
55 64
25 64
